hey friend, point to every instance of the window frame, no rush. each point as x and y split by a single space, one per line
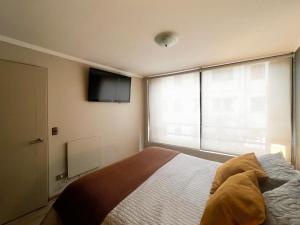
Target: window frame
209 153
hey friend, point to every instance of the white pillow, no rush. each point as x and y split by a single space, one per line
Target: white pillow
278 169
283 204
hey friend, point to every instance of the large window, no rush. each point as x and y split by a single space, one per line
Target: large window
245 108
175 110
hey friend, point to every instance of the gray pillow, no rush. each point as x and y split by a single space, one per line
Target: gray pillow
278 169
283 204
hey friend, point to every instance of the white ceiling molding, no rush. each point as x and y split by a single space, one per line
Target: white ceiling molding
65 56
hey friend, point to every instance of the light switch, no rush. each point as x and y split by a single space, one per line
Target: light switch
54 131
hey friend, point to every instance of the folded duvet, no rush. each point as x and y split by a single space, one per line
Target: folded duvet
89 200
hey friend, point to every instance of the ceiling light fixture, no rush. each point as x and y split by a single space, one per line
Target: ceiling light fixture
166 39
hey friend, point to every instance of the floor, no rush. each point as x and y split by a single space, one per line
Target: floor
33 218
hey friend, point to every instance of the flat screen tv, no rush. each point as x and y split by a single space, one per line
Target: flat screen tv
108 87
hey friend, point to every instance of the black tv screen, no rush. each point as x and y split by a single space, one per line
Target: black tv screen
108 87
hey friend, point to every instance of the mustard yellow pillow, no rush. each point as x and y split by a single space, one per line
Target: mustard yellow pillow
238 201
237 165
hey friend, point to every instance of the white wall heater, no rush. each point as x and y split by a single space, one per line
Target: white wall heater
83 155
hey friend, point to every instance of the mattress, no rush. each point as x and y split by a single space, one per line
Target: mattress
175 194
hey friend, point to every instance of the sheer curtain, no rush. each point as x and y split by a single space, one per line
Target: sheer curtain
174 110
247 108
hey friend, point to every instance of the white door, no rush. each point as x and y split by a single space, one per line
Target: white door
23 139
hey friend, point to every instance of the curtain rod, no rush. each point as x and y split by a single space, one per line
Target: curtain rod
198 69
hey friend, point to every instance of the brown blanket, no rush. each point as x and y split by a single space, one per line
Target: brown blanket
88 200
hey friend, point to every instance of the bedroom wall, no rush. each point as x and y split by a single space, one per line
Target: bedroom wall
297 74
120 126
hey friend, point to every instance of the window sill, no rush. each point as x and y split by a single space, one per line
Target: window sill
200 153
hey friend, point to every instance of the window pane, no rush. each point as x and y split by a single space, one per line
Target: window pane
174 109
247 108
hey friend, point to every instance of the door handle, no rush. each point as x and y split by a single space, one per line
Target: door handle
36 141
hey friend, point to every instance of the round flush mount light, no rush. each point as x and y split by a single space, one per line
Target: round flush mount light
166 39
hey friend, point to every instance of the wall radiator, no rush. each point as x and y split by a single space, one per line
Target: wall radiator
83 155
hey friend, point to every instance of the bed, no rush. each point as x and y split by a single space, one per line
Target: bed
155 186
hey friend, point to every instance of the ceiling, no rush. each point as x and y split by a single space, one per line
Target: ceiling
120 33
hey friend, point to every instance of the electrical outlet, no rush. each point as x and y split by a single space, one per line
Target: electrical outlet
61 176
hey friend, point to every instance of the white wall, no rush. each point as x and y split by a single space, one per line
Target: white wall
120 126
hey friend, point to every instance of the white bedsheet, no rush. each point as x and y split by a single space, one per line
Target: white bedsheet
175 194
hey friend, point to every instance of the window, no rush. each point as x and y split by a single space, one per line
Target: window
245 108
175 110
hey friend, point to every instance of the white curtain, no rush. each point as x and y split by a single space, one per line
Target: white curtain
247 108
174 110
